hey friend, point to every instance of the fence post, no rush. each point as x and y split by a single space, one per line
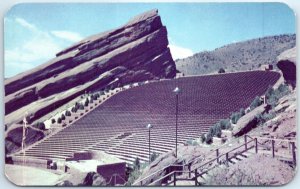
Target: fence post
294 153
273 148
189 166
245 138
256 147
227 158
196 176
217 151
174 178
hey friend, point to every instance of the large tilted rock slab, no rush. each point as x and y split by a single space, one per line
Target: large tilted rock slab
137 51
286 62
248 121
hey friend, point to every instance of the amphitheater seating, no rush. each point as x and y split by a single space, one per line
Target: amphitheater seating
118 126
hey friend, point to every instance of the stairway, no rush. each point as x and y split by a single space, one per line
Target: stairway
207 175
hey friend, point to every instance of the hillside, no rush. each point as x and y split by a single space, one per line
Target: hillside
241 56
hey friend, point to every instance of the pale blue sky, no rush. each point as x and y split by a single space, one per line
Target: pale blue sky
33 33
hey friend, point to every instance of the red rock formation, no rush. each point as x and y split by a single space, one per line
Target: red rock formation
135 52
286 62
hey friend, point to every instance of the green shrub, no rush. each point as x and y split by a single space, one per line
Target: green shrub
77 105
218 130
86 103
53 121
283 89
192 142
153 156
242 111
137 164
255 103
269 92
235 116
189 141
74 109
81 107
212 131
59 120
263 118
203 138
272 96
221 70
133 176
208 139
68 113
95 96
225 124
40 125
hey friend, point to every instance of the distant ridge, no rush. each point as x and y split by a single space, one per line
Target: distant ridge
240 56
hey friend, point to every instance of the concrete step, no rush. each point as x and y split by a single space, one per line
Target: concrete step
246 154
234 160
240 157
206 176
185 183
223 166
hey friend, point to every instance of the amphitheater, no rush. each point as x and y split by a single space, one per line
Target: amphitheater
118 125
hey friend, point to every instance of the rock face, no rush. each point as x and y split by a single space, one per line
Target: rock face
137 51
286 62
248 121
13 138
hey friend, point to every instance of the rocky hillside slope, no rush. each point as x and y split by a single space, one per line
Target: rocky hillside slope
137 51
241 56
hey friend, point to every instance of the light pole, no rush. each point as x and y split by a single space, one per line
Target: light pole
176 91
149 126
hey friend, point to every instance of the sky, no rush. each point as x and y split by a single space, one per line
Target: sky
35 32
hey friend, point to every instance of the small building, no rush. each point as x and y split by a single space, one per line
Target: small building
266 67
179 74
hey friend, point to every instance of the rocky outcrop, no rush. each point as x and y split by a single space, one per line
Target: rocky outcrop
13 138
93 179
286 62
248 121
137 51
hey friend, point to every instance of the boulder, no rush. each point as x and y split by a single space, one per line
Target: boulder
13 138
93 179
65 183
286 62
248 121
135 52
